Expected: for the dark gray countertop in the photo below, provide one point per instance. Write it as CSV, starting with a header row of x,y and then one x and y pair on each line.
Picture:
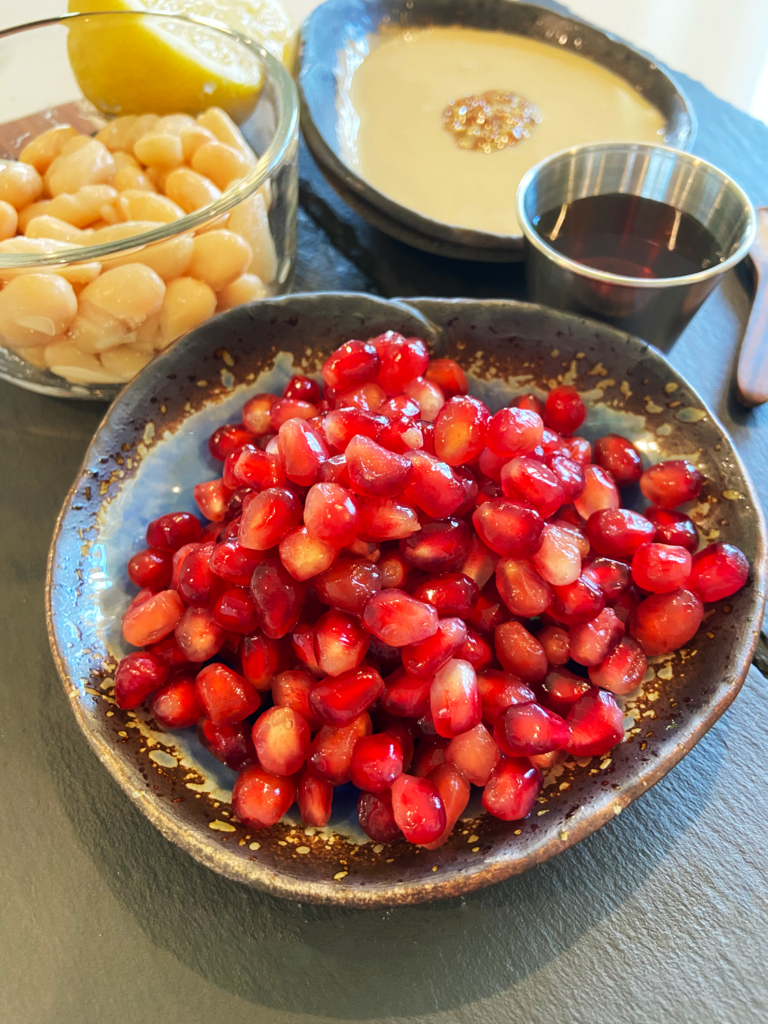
x,y
660,916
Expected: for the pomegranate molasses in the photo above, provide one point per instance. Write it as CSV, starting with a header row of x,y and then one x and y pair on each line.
x,y
629,235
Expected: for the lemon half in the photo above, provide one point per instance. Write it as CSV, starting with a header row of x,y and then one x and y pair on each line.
x,y
138,66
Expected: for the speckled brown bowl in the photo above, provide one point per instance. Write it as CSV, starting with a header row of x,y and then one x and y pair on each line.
x,y
151,448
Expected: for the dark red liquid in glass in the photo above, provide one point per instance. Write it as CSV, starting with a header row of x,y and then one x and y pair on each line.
x,y
629,235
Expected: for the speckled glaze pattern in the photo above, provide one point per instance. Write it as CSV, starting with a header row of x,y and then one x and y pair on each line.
x,y
332,25
156,431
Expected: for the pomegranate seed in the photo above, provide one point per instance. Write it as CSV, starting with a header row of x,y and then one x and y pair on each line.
x,y
303,388
525,730
558,560
374,471
212,498
460,430
399,619
377,819
514,432
234,611
303,555
661,567
511,791
330,755
475,752
278,597
340,643
489,611
169,651
173,531
561,689
291,689
225,696
480,563
196,577
491,465
454,791
428,396
348,584
434,486
626,603
337,700
267,517
175,705
454,698
256,414
302,451
260,659
620,458
599,492
577,602
384,519
331,515
718,571
671,483
452,593
554,643
227,439
334,471
138,675
368,397
610,576
618,532
500,690
342,425
664,622
521,588
429,754
418,809
508,528
596,724
402,360
449,376
351,365
153,618
673,528
251,467
406,695
286,409
530,402
281,740
623,670
422,660
230,744
577,448
395,571
519,652
564,410
377,760
151,568
234,563
570,475
527,480
546,761
259,798
439,546
315,799
591,642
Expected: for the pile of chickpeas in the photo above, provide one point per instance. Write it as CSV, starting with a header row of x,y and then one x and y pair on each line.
x,y
100,322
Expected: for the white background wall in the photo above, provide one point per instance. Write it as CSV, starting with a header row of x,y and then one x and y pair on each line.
x,y
722,43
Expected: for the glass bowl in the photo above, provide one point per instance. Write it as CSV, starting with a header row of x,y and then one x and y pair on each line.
x,y
120,323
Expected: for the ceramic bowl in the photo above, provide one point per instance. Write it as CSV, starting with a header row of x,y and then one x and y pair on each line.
x,y
336,24
152,447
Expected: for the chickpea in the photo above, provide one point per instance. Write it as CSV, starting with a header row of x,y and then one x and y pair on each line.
x,y
245,288
74,143
30,212
35,308
46,226
83,207
123,133
9,220
44,148
219,257
159,175
131,292
129,174
148,335
221,163
249,219
159,149
188,303
20,184
125,361
91,164
95,330
35,354
175,124
77,367
193,138
77,273
135,204
169,259
189,189
224,128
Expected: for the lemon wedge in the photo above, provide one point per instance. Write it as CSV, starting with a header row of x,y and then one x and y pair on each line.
x,y
167,67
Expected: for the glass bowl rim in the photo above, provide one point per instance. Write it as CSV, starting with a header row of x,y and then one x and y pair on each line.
x,y
273,158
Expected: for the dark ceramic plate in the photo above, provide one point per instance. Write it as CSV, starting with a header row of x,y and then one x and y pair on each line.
x,y
331,28
150,450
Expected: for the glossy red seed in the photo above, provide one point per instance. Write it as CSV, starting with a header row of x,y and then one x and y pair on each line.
x,y
599,492
281,740
558,559
291,689
521,588
434,486
152,618
577,602
406,695
368,397
227,439
514,432
196,577
303,555
376,817
286,409
591,642
661,567
480,562
718,571
664,622
337,700
454,698
330,755
151,568
525,730
460,430
260,658
424,659
278,597
612,577
439,546
348,584
315,799
527,480
509,528
175,705
402,361
377,760
475,752
342,425
519,652
383,519
500,690
452,593
138,675
251,467
352,364
418,809
669,484
512,789
618,532
488,611
259,798
428,395
230,744
596,724
577,448
554,643
449,376
564,410
623,670
303,388
234,611
673,528
169,651
212,498
302,451
561,689
401,434
225,696
234,563
330,514
340,642
491,466
267,517
569,474
395,571
430,752
374,471
399,619
453,787
256,414
529,401
173,531
620,457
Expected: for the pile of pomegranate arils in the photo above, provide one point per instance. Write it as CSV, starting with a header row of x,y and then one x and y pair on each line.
x,y
398,589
